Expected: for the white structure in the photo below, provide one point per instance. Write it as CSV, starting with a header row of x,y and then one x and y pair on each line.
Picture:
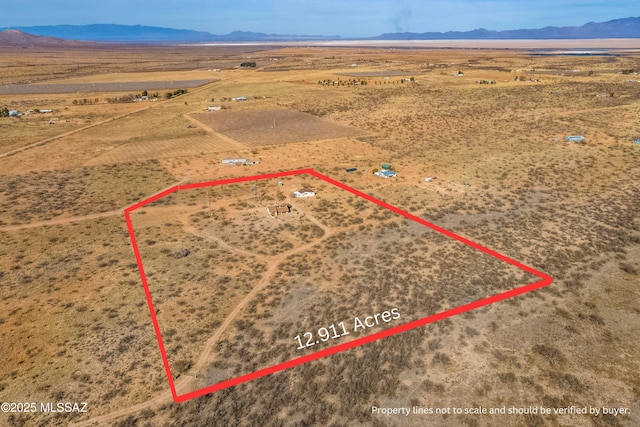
x,y
304,193
214,108
574,138
385,174
14,113
233,162
240,98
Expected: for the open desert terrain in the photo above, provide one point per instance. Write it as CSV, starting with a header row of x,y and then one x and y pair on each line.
x,y
241,273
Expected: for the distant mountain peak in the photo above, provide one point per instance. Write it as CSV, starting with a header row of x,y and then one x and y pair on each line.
x,y
18,38
616,28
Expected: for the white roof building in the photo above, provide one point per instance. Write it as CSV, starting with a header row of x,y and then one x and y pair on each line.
x,y
574,138
304,193
385,174
233,161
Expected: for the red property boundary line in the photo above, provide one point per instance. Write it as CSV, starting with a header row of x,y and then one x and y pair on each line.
x,y
545,280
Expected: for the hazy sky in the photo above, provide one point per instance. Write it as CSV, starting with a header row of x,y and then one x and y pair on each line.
x,y
325,17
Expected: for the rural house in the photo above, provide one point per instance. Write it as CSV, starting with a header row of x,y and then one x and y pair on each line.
x,y
274,211
385,173
234,162
304,193
574,138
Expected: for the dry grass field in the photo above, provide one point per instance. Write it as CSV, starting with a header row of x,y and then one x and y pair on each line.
x,y
22,89
255,128
233,286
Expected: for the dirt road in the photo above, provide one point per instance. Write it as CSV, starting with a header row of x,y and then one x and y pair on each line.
x,y
62,135
183,383
79,218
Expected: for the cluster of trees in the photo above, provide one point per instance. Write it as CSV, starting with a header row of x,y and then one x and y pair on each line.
x,y
4,112
175,93
248,64
121,99
147,94
384,82
629,71
131,97
85,101
339,82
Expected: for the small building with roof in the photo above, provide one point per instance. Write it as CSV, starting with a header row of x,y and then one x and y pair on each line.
x,y
277,210
304,193
386,174
234,162
574,138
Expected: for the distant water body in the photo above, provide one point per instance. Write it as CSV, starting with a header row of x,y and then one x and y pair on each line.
x,y
585,45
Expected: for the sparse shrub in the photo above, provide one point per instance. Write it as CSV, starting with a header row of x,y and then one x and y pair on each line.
x,y
507,377
628,268
564,380
551,354
181,366
130,421
440,359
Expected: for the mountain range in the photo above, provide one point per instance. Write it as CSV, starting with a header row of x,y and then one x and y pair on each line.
x,y
114,33
17,38
617,28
